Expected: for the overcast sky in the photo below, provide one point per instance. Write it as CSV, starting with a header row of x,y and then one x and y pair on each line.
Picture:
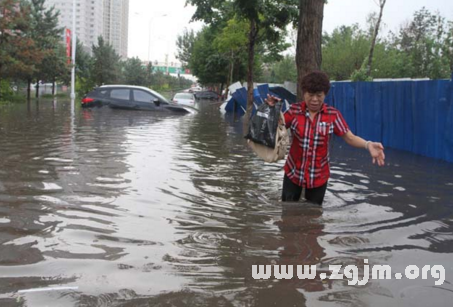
x,y
155,24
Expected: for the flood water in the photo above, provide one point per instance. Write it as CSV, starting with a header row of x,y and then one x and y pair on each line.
x,y
127,208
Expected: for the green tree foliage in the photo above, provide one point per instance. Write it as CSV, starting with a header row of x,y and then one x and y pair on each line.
x,y
83,69
231,42
106,63
184,44
149,74
267,20
134,72
425,40
344,51
18,51
423,48
164,82
47,36
233,37
374,38
280,71
447,50
206,62
55,66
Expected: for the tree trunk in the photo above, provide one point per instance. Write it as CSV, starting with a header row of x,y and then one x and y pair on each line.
x,y
309,36
0,80
28,89
375,34
53,87
229,78
227,85
251,59
221,90
37,89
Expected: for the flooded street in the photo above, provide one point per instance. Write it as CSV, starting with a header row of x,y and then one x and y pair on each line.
x,y
107,207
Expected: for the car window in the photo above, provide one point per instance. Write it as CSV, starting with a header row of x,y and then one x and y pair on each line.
x,y
123,94
184,96
102,93
143,96
159,96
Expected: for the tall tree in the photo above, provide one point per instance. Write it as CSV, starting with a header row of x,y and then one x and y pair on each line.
x,y
281,71
231,43
184,44
149,74
309,38
344,51
375,34
47,35
206,62
55,67
18,51
265,17
425,41
84,69
447,49
134,73
105,63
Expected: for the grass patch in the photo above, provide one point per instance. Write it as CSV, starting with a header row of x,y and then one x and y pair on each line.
x,y
7,99
60,95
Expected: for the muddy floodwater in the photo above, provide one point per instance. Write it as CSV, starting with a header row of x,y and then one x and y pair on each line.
x,y
128,208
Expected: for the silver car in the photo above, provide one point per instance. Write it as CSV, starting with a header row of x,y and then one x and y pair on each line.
x,y
186,99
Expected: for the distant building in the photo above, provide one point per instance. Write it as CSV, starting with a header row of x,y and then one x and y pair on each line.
x,y
107,18
116,25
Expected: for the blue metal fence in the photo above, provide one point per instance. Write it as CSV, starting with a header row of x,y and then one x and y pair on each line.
x,y
415,116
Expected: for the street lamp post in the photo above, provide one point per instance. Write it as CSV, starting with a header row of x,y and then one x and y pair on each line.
x,y
149,36
74,42
150,22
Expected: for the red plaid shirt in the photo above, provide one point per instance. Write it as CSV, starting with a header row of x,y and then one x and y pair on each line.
x,y
307,164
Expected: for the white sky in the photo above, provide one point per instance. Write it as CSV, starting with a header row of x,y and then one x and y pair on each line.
x,y
149,28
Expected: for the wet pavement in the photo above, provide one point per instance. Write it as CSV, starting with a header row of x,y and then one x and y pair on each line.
x,y
128,208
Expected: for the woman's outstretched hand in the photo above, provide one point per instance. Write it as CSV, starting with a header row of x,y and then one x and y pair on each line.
x,y
271,100
377,153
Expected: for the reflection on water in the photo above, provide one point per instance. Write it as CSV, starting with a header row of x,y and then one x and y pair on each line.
x,y
142,209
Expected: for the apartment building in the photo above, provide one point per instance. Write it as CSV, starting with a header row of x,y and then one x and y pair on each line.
x,y
94,18
116,20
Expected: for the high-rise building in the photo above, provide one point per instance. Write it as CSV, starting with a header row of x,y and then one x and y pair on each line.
x,y
116,20
94,18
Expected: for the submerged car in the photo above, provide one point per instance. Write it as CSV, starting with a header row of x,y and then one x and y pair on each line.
x,y
207,95
187,99
131,98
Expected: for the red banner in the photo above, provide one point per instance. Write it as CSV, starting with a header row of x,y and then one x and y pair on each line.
x,y
68,45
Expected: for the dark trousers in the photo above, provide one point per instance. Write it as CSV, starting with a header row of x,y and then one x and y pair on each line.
x,y
292,192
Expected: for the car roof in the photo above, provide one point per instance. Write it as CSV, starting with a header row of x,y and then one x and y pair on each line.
x,y
124,86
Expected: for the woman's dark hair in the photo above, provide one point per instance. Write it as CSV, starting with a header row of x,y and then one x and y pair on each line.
x,y
316,81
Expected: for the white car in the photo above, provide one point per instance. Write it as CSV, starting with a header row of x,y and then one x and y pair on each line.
x,y
186,99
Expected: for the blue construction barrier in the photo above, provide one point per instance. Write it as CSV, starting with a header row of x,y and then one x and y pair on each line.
x,y
415,116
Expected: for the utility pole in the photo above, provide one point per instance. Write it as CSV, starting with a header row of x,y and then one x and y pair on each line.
x,y
74,42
